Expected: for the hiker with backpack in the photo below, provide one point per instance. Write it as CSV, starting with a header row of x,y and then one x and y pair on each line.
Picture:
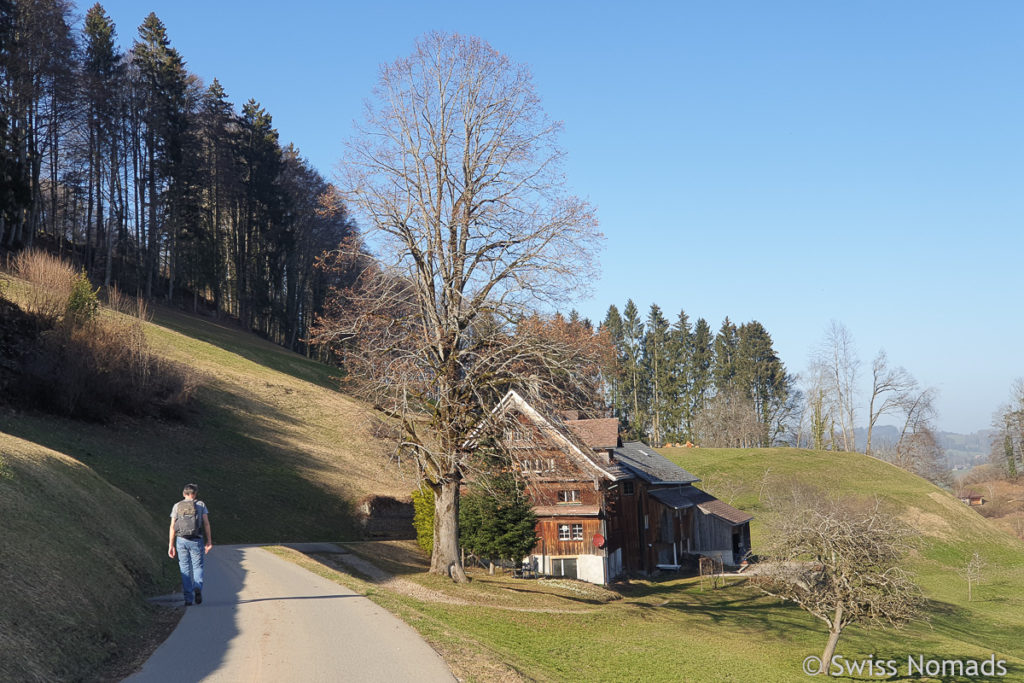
x,y
190,524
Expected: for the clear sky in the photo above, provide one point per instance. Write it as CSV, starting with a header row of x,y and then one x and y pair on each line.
x,y
789,162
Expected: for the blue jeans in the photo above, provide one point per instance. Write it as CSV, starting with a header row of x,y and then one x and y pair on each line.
x,y
190,561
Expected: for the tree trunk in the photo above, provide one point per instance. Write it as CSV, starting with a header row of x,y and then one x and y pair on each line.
x,y
446,559
833,638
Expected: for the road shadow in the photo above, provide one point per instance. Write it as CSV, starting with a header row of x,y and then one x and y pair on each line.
x,y
198,646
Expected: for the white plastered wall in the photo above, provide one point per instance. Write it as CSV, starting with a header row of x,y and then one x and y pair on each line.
x,y
590,568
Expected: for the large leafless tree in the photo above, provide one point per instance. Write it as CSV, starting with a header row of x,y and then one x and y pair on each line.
x,y
456,172
841,562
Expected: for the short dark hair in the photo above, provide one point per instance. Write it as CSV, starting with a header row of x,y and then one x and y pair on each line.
x,y
190,488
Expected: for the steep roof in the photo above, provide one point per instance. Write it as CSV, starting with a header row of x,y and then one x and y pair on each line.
x,y
689,496
559,435
647,464
599,433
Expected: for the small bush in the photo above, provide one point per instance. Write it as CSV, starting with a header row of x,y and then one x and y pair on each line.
x,y
82,304
423,518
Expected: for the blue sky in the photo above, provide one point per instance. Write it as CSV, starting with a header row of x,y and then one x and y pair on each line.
x,y
790,162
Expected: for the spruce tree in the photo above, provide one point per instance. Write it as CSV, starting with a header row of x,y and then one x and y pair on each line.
x,y
700,373
498,522
102,87
726,344
633,370
762,377
163,76
657,373
681,376
614,374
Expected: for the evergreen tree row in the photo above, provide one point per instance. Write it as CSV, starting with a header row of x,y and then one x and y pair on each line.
x,y
680,382
126,163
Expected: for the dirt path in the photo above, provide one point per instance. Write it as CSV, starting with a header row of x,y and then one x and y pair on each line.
x,y
266,619
412,589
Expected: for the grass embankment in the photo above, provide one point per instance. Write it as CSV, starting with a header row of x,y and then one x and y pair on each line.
x,y
278,453
673,629
76,558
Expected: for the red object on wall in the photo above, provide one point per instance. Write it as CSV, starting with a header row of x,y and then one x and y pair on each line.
x,y
598,541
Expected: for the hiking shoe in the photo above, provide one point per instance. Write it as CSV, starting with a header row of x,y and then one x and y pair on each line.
x,y
199,596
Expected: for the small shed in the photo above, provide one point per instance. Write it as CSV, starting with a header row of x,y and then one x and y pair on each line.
x,y
972,499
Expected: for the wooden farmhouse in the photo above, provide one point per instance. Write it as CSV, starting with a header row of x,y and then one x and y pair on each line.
x,y
605,508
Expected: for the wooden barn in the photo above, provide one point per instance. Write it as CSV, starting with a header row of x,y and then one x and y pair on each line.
x,y
605,507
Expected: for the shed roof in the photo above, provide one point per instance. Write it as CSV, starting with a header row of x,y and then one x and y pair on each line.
x,y
598,433
688,496
647,464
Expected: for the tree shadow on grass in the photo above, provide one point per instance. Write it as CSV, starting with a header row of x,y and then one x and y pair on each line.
x,y
258,485
569,598
233,339
963,625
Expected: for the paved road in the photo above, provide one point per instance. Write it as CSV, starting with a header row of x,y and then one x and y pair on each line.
x,y
264,619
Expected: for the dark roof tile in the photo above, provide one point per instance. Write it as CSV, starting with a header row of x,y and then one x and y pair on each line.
x,y
647,464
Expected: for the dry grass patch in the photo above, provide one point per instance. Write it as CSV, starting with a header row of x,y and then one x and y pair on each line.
x,y
927,523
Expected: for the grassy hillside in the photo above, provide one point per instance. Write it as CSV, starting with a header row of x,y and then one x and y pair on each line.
x,y
950,531
76,556
671,628
277,452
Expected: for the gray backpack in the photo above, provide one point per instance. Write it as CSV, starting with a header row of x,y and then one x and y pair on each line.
x,y
188,519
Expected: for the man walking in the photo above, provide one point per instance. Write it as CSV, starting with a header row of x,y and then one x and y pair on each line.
x,y
190,524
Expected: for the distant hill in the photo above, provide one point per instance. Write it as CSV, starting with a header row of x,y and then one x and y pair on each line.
x,y
962,450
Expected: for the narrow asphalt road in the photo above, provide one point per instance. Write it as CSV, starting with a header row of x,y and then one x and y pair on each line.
x,y
264,619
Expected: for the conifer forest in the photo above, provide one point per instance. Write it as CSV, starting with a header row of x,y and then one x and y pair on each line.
x,y
122,161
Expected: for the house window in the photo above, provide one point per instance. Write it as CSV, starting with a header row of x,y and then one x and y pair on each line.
x,y
570,496
647,524
570,532
627,488
577,532
537,465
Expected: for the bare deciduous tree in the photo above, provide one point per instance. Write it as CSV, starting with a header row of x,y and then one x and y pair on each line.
x,y
1008,445
918,450
841,563
456,172
728,421
836,362
889,388
972,572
